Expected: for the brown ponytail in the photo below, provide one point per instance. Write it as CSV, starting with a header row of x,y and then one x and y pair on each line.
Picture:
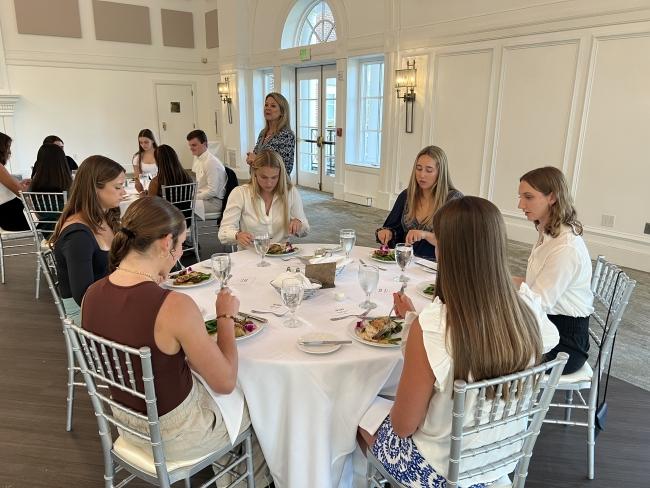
x,y
145,221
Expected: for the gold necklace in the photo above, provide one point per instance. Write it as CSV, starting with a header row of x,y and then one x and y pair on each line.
x,y
147,275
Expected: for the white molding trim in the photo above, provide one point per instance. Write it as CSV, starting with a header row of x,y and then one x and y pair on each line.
x,y
8,105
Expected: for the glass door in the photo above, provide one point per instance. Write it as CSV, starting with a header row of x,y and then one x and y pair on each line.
x,y
316,123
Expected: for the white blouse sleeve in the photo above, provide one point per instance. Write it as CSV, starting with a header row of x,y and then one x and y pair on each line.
x,y
232,215
547,329
297,212
433,324
554,278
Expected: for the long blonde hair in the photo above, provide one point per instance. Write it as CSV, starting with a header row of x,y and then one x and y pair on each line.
x,y
490,330
549,180
439,191
268,158
285,116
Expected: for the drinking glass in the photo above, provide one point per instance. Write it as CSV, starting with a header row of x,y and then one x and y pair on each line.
x,y
262,243
292,292
347,239
368,279
221,266
403,255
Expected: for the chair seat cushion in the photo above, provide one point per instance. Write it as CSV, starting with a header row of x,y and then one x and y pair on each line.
x,y
143,460
503,482
212,215
16,234
585,373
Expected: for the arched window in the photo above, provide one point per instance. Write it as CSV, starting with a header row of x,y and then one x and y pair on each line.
x,y
317,26
309,22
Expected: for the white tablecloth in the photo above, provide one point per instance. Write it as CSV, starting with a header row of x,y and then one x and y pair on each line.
x,y
306,408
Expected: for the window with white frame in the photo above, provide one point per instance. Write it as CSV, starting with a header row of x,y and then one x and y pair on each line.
x,y
317,26
371,104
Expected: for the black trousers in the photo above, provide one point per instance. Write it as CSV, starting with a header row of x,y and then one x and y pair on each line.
x,y
574,340
11,215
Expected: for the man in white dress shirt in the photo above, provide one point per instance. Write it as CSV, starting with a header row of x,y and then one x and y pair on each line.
x,y
210,172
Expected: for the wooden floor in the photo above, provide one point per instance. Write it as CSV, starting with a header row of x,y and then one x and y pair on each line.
x,y
36,451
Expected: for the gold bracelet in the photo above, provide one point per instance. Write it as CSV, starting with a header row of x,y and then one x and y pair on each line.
x,y
226,317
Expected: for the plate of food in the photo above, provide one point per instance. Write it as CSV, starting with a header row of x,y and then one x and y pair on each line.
x,y
426,289
277,250
188,278
245,327
384,254
377,331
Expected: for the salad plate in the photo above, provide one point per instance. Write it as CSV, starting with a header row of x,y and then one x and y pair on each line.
x,y
377,331
245,327
426,289
189,279
281,250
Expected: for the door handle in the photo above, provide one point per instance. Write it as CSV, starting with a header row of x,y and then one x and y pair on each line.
x,y
319,141
164,125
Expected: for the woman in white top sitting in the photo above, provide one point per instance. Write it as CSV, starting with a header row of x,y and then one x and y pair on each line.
x,y
144,161
268,204
477,327
559,267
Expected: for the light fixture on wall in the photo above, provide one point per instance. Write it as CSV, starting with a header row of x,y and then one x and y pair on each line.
x,y
405,79
224,92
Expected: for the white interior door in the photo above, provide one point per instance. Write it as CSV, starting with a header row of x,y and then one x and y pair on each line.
x,y
176,117
316,124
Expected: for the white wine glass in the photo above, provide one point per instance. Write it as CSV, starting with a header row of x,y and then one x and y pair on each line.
x,y
262,242
292,291
403,255
221,267
347,239
368,279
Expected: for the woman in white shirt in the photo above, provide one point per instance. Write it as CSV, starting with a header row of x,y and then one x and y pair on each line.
x,y
11,207
559,267
144,161
477,327
268,204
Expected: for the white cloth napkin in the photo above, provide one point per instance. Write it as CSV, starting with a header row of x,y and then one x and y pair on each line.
x,y
375,415
231,406
340,261
306,284
426,263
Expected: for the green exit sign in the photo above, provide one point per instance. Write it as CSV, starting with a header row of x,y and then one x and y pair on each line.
x,y
305,53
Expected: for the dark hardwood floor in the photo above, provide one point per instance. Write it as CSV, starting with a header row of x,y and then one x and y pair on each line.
x,y
36,451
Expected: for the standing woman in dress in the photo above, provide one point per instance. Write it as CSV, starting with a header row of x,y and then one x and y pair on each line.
x,y
84,233
277,134
559,267
11,207
144,161
411,219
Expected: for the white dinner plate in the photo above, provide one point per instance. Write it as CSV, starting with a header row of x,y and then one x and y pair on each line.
x,y
170,283
420,287
296,250
318,336
260,326
372,256
352,332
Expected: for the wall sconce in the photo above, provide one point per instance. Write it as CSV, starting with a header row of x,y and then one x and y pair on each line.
x,y
224,93
405,79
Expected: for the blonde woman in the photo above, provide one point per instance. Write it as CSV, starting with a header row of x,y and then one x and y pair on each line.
x,y
277,134
411,218
477,327
268,204
559,267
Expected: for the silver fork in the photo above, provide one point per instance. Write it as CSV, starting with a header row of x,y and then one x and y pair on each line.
x,y
378,267
359,316
277,314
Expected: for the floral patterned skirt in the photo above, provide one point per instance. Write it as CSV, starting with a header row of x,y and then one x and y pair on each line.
x,y
402,460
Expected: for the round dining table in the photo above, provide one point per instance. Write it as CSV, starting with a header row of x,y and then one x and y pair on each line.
x,y
305,407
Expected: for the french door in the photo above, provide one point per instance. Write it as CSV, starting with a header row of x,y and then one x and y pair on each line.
x,y
316,123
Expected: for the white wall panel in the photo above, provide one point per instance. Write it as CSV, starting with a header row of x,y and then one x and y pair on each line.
x,y
462,96
535,107
615,161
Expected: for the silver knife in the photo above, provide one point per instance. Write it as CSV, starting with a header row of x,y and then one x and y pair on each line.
x,y
323,343
253,317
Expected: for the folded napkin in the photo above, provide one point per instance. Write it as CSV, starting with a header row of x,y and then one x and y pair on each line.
x,y
427,264
375,415
231,407
306,284
340,261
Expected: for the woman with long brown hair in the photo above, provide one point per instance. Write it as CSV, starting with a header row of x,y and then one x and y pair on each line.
x,y
477,327
559,267
268,204
85,230
411,218
11,207
144,161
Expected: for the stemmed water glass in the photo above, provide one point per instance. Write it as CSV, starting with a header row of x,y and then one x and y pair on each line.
x,y
221,266
292,292
347,239
144,181
403,255
262,242
368,279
